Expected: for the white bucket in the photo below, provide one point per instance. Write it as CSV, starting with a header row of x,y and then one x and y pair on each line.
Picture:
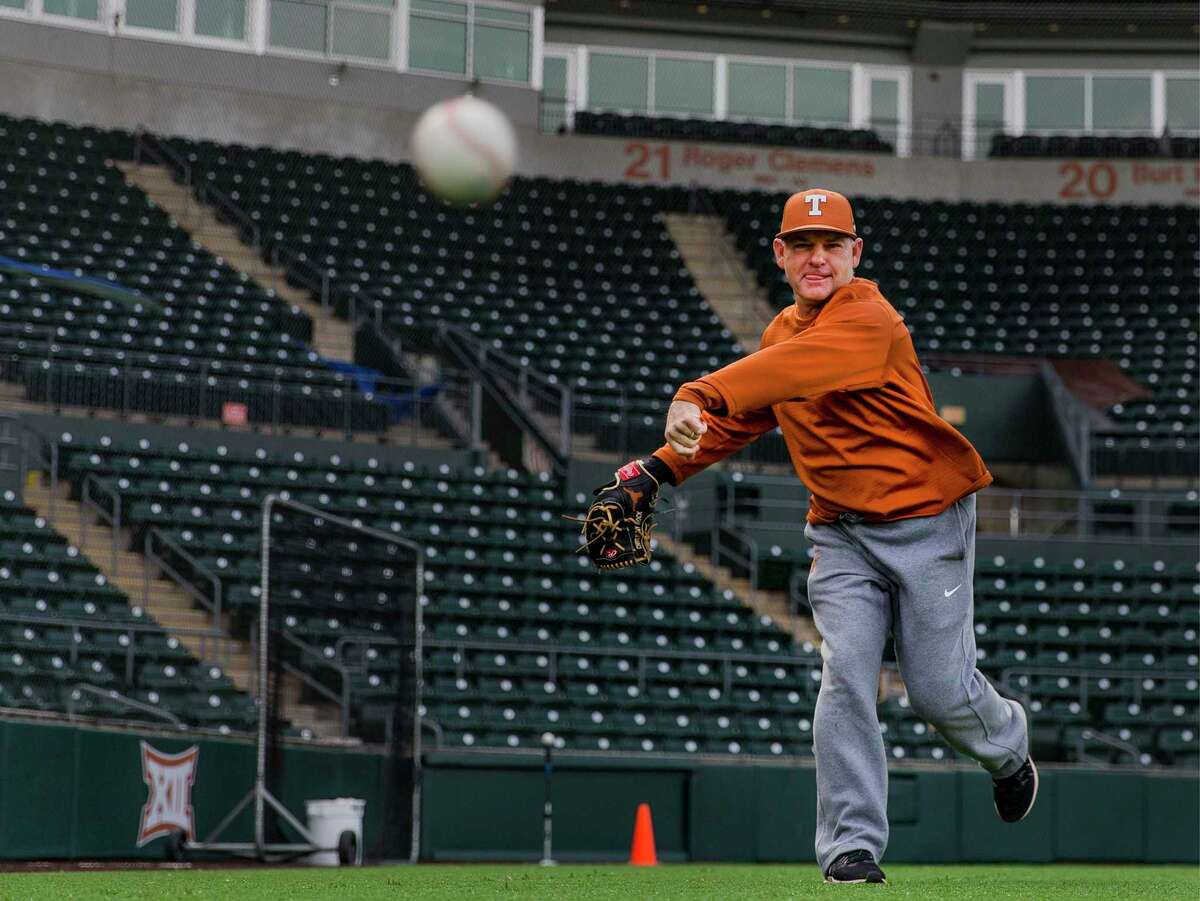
x,y
327,820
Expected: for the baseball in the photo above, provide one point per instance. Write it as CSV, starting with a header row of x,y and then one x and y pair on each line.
x,y
464,150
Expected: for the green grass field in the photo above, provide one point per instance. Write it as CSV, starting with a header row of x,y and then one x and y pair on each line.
x,y
691,881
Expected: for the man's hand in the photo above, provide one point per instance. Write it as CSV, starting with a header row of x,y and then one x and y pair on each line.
x,y
685,425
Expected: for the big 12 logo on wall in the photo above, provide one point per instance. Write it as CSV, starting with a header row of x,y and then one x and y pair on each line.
x,y
169,779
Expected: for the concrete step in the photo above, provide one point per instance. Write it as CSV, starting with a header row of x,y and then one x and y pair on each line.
x,y
335,337
159,177
692,234
171,607
721,275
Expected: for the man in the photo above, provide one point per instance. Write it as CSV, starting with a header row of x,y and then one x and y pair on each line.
x,y
891,520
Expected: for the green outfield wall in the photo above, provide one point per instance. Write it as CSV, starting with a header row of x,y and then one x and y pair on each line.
x,y
70,792
489,806
74,792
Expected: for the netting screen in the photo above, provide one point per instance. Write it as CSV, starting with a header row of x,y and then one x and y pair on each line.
x,y
343,649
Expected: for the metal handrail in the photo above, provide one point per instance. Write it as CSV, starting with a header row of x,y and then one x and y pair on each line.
x,y
1100,494
208,193
1086,673
146,143
213,604
315,279
725,659
111,694
524,380
318,282
336,402
113,518
1104,739
143,360
1075,510
342,699
439,737
724,533
470,356
10,423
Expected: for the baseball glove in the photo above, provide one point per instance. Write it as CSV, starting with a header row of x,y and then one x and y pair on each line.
x,y
618,525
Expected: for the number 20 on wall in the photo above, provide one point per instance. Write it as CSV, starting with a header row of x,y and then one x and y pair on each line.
x,y
1091,181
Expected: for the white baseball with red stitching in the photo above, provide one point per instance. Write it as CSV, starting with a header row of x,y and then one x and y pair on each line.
x,y
464,149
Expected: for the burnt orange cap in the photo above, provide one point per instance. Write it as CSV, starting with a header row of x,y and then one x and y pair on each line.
x,y
817,209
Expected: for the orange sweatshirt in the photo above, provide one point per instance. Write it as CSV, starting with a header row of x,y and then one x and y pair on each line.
x,y
845,388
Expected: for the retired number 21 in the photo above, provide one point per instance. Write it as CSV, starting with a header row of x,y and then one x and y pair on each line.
x,y
641,166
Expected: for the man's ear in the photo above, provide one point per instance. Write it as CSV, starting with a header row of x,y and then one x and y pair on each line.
x,y
779,247
856,251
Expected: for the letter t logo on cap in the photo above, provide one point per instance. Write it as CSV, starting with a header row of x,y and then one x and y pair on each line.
x,y
814,203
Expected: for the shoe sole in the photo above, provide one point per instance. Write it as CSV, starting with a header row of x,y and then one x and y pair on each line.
x,y
829,880
1032,801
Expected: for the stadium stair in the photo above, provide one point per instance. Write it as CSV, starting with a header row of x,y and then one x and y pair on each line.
x,y
607,303
167,603
721,275
333,338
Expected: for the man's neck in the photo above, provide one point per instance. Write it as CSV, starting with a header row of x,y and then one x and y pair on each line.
x,y
809,308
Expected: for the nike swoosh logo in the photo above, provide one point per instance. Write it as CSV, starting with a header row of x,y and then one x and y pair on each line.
x,y
952,590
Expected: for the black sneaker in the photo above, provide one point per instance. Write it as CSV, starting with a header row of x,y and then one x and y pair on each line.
x,y
1015,794
854,867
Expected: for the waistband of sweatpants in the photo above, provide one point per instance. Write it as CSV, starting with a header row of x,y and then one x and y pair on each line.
x,y
855,518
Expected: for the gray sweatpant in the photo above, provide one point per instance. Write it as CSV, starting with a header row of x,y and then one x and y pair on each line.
x,y
910,578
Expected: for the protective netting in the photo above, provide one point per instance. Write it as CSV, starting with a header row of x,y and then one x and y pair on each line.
x,y
343,638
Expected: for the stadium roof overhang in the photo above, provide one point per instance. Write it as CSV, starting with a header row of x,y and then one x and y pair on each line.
x,y
1167,25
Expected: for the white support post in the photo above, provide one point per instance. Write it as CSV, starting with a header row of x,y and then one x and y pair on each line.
x,y
1018,103
1158,103
259,17
1087,103
721,86
860,97
400,36
904,120
537,46
186,22
650,85
581,78
109,11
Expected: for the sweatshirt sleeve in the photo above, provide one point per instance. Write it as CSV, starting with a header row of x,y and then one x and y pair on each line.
x,y
726,435
847,350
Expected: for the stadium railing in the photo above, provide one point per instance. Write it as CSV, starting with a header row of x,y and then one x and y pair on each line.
x,y
1039,514
727,661
726,515
1088,734
167,557
538,405
362,402
554,416
111,694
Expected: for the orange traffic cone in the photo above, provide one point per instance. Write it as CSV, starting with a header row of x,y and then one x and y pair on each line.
x,y
642,854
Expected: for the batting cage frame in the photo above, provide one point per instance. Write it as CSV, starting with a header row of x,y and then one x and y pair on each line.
x,y
260,794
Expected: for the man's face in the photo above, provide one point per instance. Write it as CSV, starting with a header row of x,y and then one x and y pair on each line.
x,y
817,263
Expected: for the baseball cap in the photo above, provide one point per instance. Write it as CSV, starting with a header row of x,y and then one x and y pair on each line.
x,y
817,209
